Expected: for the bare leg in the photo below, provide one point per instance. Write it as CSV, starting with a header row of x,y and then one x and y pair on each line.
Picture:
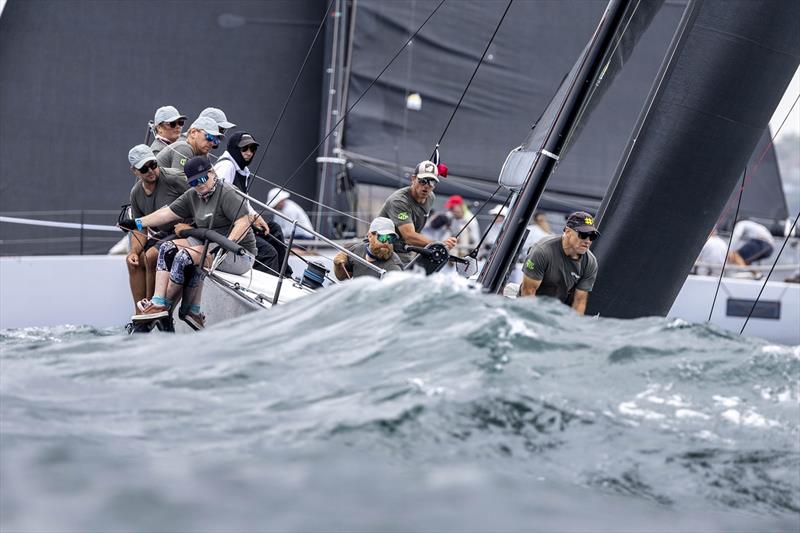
x,y
150,257
736,259
136,278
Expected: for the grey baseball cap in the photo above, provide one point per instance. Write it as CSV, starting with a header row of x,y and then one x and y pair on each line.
x,y
219,117
208,125
139,155
167,114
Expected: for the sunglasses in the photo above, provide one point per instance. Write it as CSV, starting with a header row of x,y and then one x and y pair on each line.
x,y
222,130
428,182
591,235
199,180
249,148
214,140
147,167
387,239
180,122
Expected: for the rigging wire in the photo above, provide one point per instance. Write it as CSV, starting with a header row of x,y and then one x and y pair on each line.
x,y
349,109
728,249
474,72
794,225
477,248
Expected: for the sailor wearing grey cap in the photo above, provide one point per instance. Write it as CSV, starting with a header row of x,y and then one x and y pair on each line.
x,y
408,208
377,248
279,199
219,117
562,266
203,135
167,126
153,189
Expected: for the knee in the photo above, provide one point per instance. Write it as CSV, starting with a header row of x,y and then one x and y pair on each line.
x,y
166,255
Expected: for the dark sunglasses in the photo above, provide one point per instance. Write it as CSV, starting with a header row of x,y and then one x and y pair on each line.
x,y
199,180
222,130
387,239
210,138
249,148
147,167
427,182
180,122
591,235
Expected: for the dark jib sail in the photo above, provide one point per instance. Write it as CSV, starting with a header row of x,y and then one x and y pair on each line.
x,y
729,68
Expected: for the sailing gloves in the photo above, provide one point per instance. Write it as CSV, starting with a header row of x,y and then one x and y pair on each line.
x,y
130,224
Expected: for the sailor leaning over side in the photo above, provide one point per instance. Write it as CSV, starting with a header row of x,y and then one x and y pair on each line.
x,y
377,249
154,189
408,209
213,205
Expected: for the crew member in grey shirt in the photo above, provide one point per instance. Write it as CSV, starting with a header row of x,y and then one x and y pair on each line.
x,y
203,135
167,126
562,266
154,189
377,249
408,209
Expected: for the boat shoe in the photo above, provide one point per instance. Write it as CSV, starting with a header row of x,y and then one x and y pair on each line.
x,y
196,321
149,311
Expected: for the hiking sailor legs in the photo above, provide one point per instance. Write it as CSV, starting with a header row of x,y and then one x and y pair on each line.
x,y
750,242
408,209
154,189
563,267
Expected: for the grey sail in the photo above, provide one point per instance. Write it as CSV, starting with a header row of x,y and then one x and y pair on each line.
x,y
731,64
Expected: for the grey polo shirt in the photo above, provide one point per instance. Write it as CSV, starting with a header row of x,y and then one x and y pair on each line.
x,y
401,208
170,186
226,207
175,155
560,274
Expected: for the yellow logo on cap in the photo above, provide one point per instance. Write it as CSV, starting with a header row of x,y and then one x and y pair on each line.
x,y
588,221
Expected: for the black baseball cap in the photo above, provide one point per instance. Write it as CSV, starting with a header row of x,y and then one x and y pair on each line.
x,y
581,221
195,166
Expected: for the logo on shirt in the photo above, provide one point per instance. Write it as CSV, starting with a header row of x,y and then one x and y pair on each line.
x,y
402,216
183,161
529,264
574,275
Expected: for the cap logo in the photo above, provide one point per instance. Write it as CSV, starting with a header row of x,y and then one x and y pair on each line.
x,y
402,216
588,221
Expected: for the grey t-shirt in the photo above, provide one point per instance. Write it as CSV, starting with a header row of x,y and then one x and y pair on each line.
x,y
360,249
170,185
175,155
401,208
157,146
560,275
229,208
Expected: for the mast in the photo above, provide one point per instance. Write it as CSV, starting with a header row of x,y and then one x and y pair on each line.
x,y
511,235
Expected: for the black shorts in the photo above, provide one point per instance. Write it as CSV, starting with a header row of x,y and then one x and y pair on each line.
x,y
754,249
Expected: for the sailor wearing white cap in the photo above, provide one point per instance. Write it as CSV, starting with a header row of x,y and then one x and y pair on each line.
x,y
219,117
377,248
279,199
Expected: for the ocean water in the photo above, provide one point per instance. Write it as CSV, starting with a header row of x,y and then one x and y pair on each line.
x,y
411,404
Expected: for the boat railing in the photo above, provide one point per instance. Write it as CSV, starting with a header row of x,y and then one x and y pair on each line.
x,y
318,236
735,269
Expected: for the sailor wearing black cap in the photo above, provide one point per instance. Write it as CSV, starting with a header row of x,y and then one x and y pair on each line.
x,y
563,267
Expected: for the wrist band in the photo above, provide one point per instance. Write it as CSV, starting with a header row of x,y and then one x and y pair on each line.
x,y
138,224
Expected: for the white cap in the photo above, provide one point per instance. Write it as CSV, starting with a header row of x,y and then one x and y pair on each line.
x,y
382,226
503,210
208,125
276,196
139,155
167,114
427,169
218,115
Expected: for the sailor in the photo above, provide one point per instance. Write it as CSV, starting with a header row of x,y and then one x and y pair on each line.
x,y
279,199
562,266
750,242
232,168
461,217
153,190
712,255
167,126
203,135
218,116
212,204
498,214
377,248
408,209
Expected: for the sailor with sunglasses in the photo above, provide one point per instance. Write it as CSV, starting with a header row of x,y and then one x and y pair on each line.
x,y
562,266
154,189
203,135
377,248
408,209
167,126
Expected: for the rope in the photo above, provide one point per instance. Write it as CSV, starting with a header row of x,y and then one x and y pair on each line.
x,y
728,249
494,221
770,273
